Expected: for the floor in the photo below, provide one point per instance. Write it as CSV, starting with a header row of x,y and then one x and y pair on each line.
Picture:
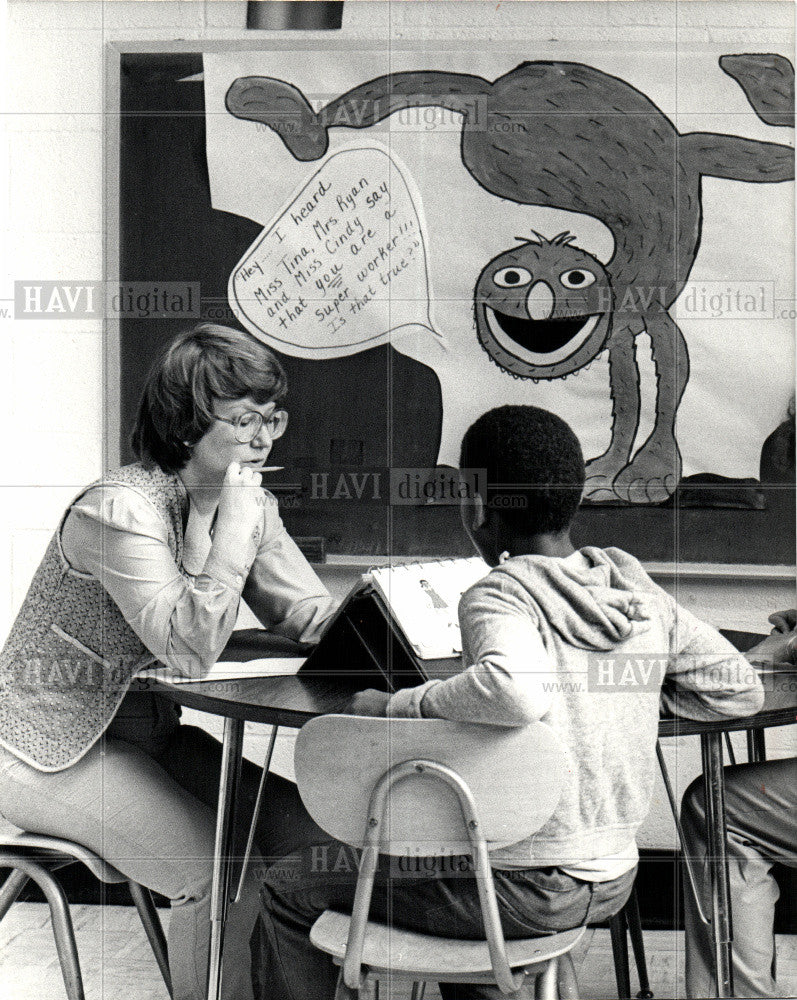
x,y
117,963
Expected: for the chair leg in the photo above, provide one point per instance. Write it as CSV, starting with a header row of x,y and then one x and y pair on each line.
x,y
545,988
568,982
418,990
62,923
142,897
11,889
634,921
620,953
344,992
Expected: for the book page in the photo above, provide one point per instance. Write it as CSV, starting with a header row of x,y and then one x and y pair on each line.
x,y
424,599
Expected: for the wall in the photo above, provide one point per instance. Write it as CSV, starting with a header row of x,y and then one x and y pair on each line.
x,y
51,373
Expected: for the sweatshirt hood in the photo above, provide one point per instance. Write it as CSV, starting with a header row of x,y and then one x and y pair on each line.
x,y
592,598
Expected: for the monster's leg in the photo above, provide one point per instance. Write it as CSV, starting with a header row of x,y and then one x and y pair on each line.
x,y
286,110
653,473
768,84
767,80
624,388
715,155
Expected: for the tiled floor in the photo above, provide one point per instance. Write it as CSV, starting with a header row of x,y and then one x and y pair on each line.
x,y
118,965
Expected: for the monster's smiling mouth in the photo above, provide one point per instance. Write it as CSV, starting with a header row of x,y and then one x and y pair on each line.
x,y
541,341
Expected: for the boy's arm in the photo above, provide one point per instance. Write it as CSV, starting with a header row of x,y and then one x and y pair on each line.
x,y
508,680
707,679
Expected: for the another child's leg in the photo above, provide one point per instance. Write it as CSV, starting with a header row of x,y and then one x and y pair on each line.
x,y
760,802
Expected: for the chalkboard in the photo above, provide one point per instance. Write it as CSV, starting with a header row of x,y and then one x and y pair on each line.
x,y
354,419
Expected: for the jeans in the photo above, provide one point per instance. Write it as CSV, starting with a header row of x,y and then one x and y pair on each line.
x,y
432,895
761,807
144,799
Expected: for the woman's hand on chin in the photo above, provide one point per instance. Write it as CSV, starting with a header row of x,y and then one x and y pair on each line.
x,y
241,504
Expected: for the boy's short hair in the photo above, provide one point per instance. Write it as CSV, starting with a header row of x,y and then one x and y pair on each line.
x,y
534,463
200,366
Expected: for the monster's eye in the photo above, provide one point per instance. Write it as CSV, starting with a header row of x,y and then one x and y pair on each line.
x,y
577,278
512,277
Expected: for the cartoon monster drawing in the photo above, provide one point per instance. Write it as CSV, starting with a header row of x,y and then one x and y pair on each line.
x,y
568,136
543,309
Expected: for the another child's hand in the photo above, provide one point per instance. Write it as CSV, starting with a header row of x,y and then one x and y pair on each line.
x,y
784,621
780,646
369,702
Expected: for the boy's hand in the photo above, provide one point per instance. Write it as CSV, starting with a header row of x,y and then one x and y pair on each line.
x,y
369,702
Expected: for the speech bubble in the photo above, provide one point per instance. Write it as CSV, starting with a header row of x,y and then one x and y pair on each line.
x,y
343,267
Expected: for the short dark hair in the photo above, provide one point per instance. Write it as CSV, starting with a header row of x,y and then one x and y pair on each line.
x,y
207,363
534,463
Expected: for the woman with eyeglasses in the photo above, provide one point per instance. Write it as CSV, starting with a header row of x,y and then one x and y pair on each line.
x,y
149,565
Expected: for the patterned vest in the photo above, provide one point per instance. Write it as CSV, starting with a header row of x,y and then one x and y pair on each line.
x,y
70,656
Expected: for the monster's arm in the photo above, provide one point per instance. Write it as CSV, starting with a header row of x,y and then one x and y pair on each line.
x,y
285,109
768,83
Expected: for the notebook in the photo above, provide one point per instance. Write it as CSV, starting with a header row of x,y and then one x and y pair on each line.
x,y
398,626
423,598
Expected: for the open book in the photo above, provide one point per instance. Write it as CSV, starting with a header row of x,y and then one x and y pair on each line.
x,y
423,598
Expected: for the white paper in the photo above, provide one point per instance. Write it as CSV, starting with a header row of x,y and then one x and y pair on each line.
x,y
742,369
424,599
231,670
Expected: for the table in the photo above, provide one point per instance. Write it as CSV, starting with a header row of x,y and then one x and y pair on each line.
x,y
780,709
293,701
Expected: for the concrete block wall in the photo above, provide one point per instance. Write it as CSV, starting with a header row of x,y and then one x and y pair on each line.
x,y
51,391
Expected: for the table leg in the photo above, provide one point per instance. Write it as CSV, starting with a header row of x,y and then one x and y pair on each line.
x,y
686,859
716,839
756,746
250,840
232,750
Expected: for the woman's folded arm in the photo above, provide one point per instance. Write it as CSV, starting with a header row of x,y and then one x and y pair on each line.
x,y
115,535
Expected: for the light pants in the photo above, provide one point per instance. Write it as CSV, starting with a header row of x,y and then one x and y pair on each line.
x,y
146,804
761,806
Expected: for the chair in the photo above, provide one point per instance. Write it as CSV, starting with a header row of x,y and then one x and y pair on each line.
x,y
628,921
421,787
35,857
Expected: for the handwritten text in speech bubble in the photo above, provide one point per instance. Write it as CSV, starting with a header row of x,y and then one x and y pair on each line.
x,y
343,267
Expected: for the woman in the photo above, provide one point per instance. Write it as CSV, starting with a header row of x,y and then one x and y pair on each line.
x,y
150,564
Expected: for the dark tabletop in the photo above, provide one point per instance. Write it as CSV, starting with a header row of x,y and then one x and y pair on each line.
x,y
292,701
284,701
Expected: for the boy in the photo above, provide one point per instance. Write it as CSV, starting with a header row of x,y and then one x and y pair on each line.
x,y
541,634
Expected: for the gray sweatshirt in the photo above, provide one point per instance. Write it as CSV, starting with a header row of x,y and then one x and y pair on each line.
x,y
590,645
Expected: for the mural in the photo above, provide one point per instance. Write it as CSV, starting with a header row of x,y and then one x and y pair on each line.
x,y
554,135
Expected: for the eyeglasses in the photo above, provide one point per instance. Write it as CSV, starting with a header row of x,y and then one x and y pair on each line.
x,y
248,425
